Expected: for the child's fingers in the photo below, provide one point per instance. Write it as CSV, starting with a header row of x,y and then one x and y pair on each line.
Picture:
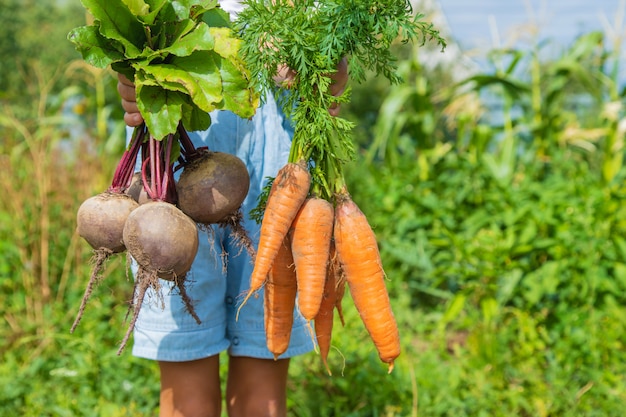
x,y
126,89
133,119
334,109
340,78
340,81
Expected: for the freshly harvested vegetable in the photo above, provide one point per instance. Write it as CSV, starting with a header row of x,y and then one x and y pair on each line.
x,y
212,187
280,300
163,241
311,38
159,236
183,58
136,190
288,192
363,270
311,238
324,317
101,218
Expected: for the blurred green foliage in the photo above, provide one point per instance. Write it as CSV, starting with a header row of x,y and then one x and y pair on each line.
x,y
497,200
33,30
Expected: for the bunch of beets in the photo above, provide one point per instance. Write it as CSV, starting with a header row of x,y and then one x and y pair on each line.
x,y
155,219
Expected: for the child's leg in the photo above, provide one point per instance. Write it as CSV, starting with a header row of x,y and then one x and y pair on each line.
x,y
191,389
257,387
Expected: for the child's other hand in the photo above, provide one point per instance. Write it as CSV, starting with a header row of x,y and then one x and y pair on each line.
x,y
340,81
126,89
285,76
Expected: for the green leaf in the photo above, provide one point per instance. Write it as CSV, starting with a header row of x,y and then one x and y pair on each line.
x,y
152,76
455,307
95,48
137,7
200,38
196,73
124,67
155,9
513,87
199,8
161,109
185,9
192,4
167,34
226,44
217,17
238,96
194,118
118,23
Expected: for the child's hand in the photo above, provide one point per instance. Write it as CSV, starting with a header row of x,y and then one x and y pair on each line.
x,y
340,80
126,89
286,75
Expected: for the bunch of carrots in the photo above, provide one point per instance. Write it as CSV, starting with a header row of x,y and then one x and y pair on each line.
x,y
314,238
308,250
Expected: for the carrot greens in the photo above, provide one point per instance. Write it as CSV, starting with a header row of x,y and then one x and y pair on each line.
x,y
311,37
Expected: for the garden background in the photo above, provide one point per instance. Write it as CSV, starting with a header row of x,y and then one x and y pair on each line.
x,y
497,196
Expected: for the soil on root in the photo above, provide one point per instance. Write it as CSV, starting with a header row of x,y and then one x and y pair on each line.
x,y
241,238
145,280
99,258
238,232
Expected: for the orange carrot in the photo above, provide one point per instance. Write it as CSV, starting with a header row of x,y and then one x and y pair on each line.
x,y
324,317
280,300
288,192
358,253
312,232
339,280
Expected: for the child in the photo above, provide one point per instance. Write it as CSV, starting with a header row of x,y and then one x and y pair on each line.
x,y
188,353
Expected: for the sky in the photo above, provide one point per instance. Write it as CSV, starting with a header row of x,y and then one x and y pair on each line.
x,y
479,23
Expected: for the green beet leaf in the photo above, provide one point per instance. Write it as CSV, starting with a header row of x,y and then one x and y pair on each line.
x,y
235,93
200,38
118,23
217,18
161,109
137,7
182,54
176,10
196,73
155,7
95,48
226,45
199,8
194,118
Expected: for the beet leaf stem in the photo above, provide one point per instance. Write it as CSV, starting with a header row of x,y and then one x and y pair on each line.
x,y
126,167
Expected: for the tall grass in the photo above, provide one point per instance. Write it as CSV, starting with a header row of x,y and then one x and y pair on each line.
x,y
531,100
51,161
46,173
